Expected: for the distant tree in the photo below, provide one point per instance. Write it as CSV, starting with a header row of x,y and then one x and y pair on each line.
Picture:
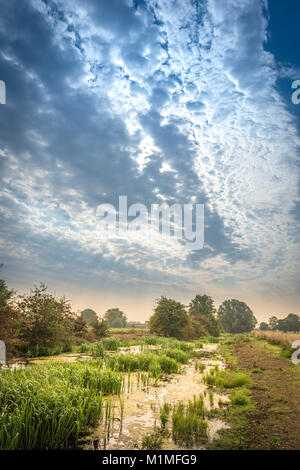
x,y
115,318
79,327
290,323
236,317
45,321
88,315
202,305
263,326
273,323
169,318
100,327
202,312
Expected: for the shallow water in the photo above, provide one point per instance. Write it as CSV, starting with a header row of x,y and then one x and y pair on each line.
x,y
142,407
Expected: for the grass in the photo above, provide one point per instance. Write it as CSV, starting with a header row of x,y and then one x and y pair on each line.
x,y
188,425
278,338
147,361
49,406
226,379
240,398
153,441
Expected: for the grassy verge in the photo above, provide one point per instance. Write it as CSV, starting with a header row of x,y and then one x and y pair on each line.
x,y
265,412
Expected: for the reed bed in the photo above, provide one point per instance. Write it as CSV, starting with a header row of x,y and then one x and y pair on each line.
x,y
50,406
147,361
188,425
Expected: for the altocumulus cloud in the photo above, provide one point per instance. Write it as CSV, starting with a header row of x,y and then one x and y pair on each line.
x,y
160,100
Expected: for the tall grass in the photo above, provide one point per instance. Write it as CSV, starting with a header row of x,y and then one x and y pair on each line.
x,y
49,406
147,361
188,425
226,379
282,339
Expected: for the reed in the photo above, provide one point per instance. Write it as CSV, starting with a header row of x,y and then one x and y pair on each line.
x,y
188,425
49,406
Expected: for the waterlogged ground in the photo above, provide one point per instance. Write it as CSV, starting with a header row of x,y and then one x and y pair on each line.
x,y
137,411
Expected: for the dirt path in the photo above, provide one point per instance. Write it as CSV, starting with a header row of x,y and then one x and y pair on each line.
x,y
275,422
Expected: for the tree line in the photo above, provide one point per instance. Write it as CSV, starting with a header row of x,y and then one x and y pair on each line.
x,y
291,323
40,323
200,318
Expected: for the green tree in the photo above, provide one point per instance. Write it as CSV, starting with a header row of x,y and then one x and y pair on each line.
x,y
88,315
45,322
202,305
115,318
100,327
273,323
290,323
79,327
264,326
236,317
169,318
202,311
8,316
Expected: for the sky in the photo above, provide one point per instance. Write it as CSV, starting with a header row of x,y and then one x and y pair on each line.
x,y
174,101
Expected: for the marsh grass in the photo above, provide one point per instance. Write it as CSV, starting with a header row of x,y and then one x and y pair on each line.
x,y
188,425
147,361
240,398
226,379
49,406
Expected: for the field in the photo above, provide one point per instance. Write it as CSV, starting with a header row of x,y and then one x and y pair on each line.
x,y
148,392
276,337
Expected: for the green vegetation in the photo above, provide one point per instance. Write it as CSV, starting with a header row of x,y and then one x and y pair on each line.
x,y
129,362
88,315
45,323
226,379
169,318
203,315
115,318
188,425
49,406
236,317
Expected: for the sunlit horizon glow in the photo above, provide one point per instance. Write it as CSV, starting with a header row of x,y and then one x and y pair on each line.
x,y
162,101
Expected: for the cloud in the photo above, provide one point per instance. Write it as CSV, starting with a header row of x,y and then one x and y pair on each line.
x,y
163,100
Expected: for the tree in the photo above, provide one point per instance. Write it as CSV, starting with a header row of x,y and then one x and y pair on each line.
x,y
115,318
264,326
79,327
273,323
169,318
202,312
88,315
45,321
100,327
202,305
236,317
290,323
8,316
